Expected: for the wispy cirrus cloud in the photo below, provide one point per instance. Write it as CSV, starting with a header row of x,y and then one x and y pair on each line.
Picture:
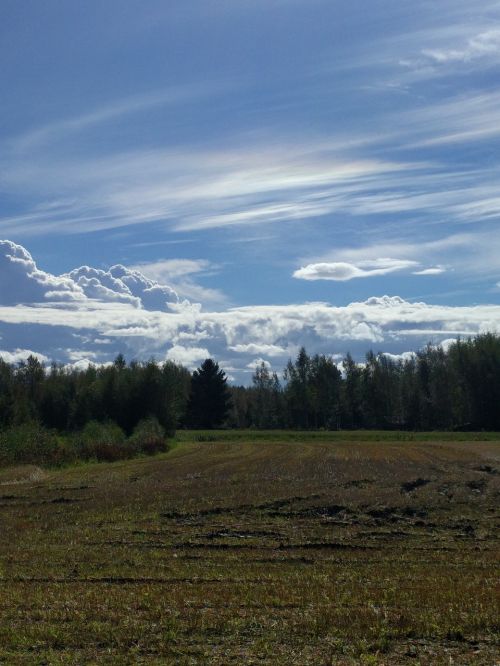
x,y
183,276
485,44
434,270
462,118
194,190
114,110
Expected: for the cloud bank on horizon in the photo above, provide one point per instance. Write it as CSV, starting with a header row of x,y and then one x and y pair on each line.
x,y
188,192
90,315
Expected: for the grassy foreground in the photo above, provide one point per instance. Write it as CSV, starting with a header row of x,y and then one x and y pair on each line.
x,y
266,548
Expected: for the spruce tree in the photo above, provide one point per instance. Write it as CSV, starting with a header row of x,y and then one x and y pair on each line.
x,y
210,398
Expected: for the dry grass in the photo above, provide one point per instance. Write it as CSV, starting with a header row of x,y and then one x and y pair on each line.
x,y
256,552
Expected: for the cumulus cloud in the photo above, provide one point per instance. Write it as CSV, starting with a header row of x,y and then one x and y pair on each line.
x,y
22,282
188,356
404,356
83,364
256,348
124,285
342,271
447,343
19,355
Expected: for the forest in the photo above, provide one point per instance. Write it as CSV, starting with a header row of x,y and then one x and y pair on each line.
x,y
57,414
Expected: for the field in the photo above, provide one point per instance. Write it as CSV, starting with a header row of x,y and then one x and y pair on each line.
x,y
257,548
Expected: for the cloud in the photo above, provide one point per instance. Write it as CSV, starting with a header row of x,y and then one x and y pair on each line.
x,y
404,356
200,190
21,355
22,282
257,363
60,129
435,270
484,44
342,271
123,284
265,350
178,273
188,189
460,119
446,344
468,253
83,364
168,269
187,356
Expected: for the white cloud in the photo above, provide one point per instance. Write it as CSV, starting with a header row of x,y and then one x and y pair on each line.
x,y
257,363
471,253
200,190
265,350
404,356
22,282
343,271
165,270
21,355
436,270
459,119
179,274
446,344
83,364
191,190
484,44
188,356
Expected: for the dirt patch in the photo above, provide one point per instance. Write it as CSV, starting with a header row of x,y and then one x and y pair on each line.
x,y
410,486
240,509
477,485
359,483
65,500
284,560
324,545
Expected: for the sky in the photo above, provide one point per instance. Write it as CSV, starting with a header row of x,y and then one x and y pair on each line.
x,y
237,178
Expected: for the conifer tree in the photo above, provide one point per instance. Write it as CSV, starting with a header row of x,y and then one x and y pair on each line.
x,y
210,398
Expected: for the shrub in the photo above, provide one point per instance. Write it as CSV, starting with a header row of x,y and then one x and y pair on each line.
x,y
102,441
32,444
148,437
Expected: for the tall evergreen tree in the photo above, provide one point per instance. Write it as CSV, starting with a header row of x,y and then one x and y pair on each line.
x,y
210,398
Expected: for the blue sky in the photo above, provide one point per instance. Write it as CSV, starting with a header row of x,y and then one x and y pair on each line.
x,y
257,157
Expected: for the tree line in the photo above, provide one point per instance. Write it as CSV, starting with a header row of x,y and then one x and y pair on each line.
x,y
457,388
